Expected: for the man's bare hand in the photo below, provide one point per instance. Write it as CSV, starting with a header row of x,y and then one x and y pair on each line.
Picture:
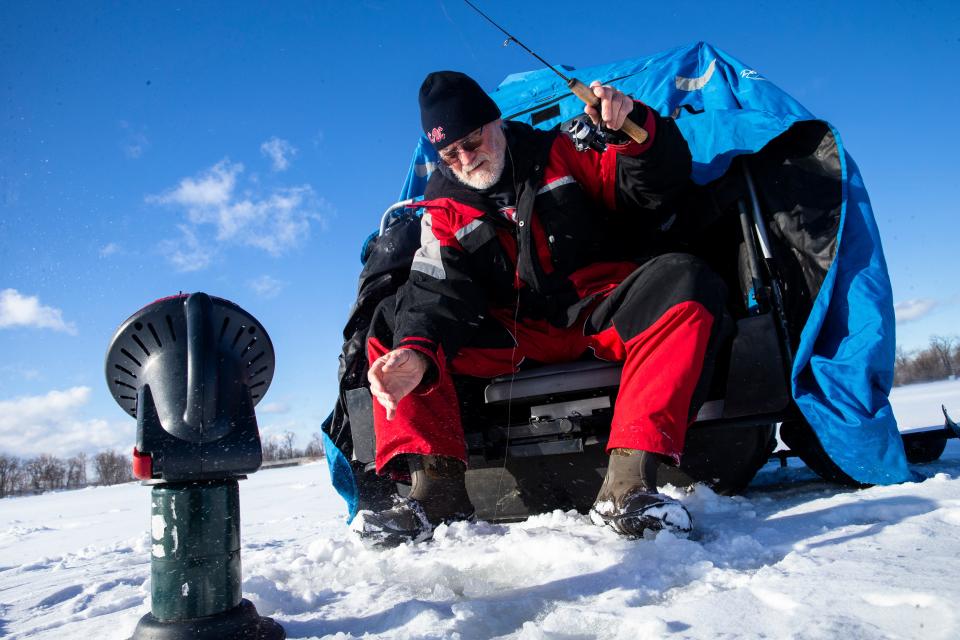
x,y
614,106
395,374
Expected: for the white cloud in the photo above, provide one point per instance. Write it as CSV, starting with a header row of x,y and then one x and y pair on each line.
x,y
213,188
135,143
267,287
31,425
187,253
16,372
109,249
135,149
910,310
279,151
273,407
18,310
275,222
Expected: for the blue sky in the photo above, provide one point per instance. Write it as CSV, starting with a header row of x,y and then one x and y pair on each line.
x,y
246,149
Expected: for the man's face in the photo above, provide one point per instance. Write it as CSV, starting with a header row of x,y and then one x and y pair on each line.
x,y
477,159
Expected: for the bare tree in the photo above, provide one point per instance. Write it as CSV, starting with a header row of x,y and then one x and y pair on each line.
x,y
287,448
10,474
77,471
54,472
941,359
927,366
45,473
943,347
33,474
112,468
271,450
314,447
901,367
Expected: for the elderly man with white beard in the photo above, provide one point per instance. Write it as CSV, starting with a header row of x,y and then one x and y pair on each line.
x,y
535,251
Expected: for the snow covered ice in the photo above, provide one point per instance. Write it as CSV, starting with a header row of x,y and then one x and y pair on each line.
x,y
793,557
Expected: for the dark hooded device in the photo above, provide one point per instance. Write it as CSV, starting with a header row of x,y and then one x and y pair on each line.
x,y
191,369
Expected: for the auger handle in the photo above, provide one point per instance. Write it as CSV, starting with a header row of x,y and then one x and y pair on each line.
x,y
585,93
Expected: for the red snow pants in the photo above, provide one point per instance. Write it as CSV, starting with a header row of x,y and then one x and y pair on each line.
x,y
665,322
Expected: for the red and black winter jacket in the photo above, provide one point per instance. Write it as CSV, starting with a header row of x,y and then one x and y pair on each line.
x,y
584,221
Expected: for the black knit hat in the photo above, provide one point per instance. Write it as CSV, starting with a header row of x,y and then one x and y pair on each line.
x,y
452,105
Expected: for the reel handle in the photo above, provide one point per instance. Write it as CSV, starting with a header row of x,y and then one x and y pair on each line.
x,y
637,133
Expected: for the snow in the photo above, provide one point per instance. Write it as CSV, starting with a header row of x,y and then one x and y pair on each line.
x,y
919,405
792,557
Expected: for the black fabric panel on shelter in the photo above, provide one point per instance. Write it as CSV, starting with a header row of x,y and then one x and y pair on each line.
x,y
799,188
802,192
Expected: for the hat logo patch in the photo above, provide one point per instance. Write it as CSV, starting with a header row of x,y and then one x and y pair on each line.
x,y
436,135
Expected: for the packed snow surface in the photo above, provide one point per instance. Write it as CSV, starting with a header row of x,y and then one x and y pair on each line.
x,y
792,557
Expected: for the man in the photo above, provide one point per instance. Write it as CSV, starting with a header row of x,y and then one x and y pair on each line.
x,y
531,249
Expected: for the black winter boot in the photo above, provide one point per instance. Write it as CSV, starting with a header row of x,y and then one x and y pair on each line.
x,y
628,501
374,492
438,494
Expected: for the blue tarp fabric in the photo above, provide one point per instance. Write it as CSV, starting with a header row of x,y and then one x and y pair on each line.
x,y
843,369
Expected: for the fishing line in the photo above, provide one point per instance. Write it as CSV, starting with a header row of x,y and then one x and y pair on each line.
x,y
582,91
515,336
512,38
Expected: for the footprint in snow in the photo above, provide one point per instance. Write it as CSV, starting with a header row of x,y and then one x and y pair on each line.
x,y
60,596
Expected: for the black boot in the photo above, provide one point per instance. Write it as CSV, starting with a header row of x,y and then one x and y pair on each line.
x,y
438,494
374,492
628,501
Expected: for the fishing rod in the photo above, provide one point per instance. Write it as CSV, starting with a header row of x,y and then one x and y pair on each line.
x,y
582,91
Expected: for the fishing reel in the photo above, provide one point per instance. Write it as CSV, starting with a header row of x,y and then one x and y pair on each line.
x,y
586,135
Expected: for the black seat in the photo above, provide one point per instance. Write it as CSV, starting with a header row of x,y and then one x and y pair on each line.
x,y
757,382
570,377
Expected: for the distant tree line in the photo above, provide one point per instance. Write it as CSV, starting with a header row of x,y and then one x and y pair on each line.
x,y
283,448
49,473
938,361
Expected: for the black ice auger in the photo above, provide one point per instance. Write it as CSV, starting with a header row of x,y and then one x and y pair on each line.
x,y
190,368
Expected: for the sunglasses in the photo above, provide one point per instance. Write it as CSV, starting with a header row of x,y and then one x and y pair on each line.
x,y
472,142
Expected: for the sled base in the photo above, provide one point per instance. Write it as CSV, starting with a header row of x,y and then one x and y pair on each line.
x,y
240,623
924,446
726,459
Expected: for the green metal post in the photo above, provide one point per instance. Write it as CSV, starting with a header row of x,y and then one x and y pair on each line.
x,y
195,560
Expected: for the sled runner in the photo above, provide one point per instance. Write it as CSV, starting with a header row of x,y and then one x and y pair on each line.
x,y
927,445
779,211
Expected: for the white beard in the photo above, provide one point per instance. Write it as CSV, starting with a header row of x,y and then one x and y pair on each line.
x,y
486,168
